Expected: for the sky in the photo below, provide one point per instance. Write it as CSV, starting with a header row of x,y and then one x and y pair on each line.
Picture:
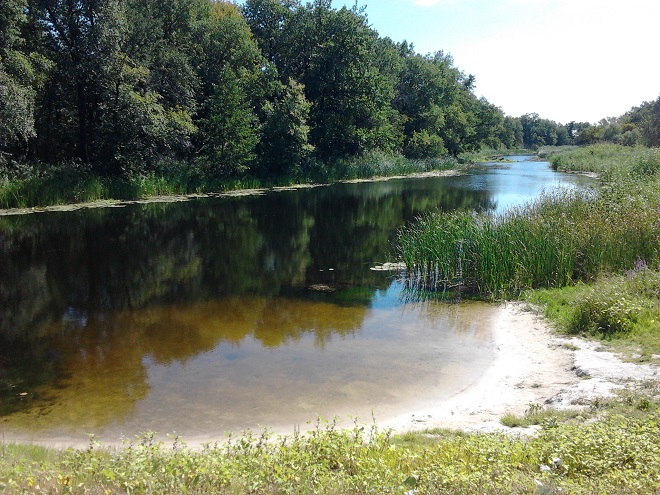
x,y
566,60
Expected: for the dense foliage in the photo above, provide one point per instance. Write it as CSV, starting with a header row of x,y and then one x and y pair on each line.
x,y
128,87
640,125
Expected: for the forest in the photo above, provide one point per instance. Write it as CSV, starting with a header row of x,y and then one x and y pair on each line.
x,y
270,88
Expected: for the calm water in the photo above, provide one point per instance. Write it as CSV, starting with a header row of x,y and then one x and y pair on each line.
x,y
218,314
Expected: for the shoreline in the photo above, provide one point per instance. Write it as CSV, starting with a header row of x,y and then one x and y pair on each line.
x,y
177,198
532,365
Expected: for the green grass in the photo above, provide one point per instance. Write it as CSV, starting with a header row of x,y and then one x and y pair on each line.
x,y
638,400
611,452
609,161
558,240
68,183
490,154
621,309
540,415
546,152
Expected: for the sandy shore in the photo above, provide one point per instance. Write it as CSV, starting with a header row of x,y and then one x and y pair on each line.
x,y
532,366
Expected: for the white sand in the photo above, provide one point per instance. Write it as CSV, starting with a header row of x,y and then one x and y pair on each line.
x,y
532,366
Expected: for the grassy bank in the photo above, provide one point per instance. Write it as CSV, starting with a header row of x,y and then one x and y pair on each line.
x,y
615,451
611,162
623,310
38,185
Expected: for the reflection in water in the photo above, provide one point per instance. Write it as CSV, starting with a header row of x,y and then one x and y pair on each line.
x,y
229,364
198,316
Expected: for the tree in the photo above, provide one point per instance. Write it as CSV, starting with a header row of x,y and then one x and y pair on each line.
x,y
334,54
234,81
285,133
21,75
511,135
149,84
267,20
646,119
230,129
72,30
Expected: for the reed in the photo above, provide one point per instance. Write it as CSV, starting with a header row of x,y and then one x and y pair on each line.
x,y
561,238
43,185
609,161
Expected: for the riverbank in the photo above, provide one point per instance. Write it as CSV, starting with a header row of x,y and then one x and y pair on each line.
x,y
533,365
600,452
37,186
174,198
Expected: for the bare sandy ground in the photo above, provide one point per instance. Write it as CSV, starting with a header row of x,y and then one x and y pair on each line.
x,y
532,366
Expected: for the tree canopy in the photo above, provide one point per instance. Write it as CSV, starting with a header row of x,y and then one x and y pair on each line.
x,y
124,86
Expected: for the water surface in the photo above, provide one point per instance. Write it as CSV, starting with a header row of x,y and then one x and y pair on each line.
x,y
219,314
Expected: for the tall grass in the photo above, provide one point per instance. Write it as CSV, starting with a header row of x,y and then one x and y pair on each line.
x,y
43,185
609,161
561,238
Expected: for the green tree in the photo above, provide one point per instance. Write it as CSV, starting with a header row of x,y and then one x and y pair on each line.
x,y
437,105
646,119
22,73
230,129
540,132
72,31
285,133
334,54
511,135
267,20
234,81
149,84
488,124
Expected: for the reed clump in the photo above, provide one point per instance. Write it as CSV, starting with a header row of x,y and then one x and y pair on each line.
x,y
563,237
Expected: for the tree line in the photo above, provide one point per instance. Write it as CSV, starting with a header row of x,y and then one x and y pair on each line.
x,y
272,87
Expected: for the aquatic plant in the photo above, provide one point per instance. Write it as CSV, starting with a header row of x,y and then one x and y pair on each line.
x,y
561,238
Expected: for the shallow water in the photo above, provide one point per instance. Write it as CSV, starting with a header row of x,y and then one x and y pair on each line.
x,y
221,314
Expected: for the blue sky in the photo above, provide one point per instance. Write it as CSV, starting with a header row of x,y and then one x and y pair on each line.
x,y
566,60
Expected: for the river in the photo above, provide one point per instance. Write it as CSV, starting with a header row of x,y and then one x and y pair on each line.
x,y
219,314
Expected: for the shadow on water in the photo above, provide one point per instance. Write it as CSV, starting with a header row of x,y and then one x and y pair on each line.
x,y
222,313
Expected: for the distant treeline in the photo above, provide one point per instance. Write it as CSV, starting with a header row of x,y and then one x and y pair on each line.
x,y
125,87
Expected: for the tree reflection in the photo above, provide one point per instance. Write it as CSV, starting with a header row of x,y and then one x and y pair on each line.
x,y
89,291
